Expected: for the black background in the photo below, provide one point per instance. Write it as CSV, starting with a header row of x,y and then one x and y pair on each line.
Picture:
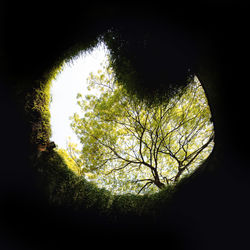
x,y
211,212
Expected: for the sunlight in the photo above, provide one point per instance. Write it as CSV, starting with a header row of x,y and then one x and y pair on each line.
x,y
130,147
125,145
70,81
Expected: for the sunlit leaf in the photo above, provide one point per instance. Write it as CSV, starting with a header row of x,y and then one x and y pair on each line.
x,y
128,146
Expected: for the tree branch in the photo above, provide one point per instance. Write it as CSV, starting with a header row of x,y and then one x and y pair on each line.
x,y
194,154
148,183
117,169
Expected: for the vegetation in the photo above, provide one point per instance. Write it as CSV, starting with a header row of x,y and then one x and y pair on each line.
x,y
129,145
62,186
64,182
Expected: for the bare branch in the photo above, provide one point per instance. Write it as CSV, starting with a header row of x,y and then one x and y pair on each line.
x,y
148,183
143,180
117,169
193,155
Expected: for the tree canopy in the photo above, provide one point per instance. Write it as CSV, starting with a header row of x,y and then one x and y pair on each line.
x,y
131,146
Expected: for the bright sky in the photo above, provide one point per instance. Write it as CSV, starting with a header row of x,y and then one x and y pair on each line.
x,y
68,83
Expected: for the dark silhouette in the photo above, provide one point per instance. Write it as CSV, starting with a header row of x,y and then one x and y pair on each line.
x,y
211,210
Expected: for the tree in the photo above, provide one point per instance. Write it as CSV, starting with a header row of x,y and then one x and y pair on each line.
x,y
131,146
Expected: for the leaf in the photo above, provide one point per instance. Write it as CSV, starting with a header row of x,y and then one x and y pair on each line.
x,y
124,139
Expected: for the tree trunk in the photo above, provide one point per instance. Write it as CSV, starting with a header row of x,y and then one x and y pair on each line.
x,y
157,181
159,184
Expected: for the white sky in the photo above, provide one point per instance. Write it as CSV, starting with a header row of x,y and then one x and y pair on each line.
x,y
64,88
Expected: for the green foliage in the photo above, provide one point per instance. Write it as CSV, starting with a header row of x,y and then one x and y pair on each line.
x,y
35,95
65,188
56,171
129,70
122,65
37,112
69,161
61,180
131,146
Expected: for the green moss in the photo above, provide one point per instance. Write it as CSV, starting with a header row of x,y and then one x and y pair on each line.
x,y
124,64
36,106
64,188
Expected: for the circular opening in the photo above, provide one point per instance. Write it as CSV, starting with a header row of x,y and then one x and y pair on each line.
x,y
120,142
